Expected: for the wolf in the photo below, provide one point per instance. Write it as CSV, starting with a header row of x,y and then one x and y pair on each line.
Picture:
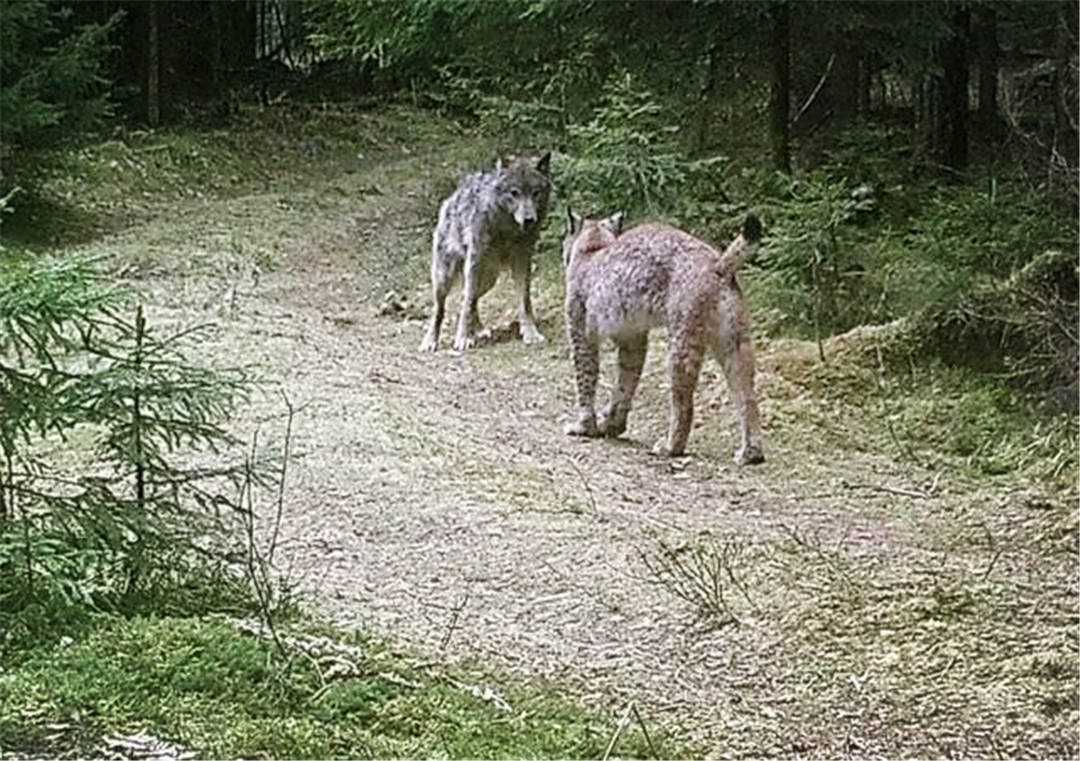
x,y
619,285
489,224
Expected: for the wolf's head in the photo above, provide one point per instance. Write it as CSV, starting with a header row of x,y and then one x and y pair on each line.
x,y
523,188
583,235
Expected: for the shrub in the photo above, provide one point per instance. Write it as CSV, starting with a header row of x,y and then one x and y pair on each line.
x,y
52,77
810,271
626,157
103,500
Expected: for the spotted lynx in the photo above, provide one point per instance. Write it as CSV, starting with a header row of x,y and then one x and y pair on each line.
x,y
619,286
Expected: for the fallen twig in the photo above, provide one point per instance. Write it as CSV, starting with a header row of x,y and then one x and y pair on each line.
x,y
618,731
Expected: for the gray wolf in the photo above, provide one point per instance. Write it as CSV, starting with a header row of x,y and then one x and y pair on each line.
x,y
489,224
619,286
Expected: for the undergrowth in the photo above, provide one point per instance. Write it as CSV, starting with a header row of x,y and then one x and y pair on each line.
x,y
219,691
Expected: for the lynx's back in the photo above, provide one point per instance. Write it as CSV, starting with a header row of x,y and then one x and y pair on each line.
x,y
645,278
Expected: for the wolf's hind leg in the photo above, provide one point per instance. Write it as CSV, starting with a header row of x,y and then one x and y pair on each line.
x,y
469,320
444,268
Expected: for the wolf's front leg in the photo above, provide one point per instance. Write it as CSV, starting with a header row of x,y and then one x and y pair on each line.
x,y
522,270
469,320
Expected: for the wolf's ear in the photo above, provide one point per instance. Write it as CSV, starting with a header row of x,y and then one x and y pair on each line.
x,y
614,223
503,160
544,164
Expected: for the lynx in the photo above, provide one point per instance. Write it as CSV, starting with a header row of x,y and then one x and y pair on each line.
x,y
619,286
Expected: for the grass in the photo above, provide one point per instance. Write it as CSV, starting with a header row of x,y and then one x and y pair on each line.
x,y
914,653
209,689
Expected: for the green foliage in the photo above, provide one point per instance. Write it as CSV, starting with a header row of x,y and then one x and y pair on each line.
x,y
980,262
406,40
809,270
220,694
954,418
1023,326
627,157
103,502
53,77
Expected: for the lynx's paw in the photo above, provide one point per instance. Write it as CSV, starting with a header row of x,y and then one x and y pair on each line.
x,y
612,422
751,455
530,335
585,425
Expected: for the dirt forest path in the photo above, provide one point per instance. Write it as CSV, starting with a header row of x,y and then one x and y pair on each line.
x,y
433,500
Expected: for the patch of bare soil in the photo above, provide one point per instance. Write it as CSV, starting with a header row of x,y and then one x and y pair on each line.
x,y
851,603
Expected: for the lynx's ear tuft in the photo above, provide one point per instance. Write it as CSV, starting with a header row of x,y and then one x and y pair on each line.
x,y
574,222
614,223
752,229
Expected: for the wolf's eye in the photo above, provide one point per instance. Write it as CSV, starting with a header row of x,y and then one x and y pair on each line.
x,y
515,193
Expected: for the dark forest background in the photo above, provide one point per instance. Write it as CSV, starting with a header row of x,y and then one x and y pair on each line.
x,y
912,159
963,79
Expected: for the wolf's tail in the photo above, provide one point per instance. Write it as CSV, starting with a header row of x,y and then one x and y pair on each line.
x,y
742,246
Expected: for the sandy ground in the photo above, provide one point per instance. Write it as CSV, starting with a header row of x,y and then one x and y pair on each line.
x,y
433,500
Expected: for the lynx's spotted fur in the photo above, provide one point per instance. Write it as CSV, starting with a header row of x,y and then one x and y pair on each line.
x,y
619,286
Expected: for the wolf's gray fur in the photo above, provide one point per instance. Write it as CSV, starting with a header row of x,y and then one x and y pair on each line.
x,y
619,286
490,223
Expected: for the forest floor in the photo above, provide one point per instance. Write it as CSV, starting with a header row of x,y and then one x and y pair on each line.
x,y
857,595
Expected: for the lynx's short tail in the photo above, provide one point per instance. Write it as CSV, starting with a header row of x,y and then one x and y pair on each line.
x,y
742,246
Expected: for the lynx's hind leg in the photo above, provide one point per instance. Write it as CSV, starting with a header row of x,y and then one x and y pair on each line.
x,y
736,356
685,355
631,359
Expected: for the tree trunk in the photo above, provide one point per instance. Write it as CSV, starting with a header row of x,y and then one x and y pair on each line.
x,y
705,98
780,96
952,124
846,86
153,103
1065,147
987,57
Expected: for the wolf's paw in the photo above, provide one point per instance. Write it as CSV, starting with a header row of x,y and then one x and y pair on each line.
x,y
751,455
430,343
